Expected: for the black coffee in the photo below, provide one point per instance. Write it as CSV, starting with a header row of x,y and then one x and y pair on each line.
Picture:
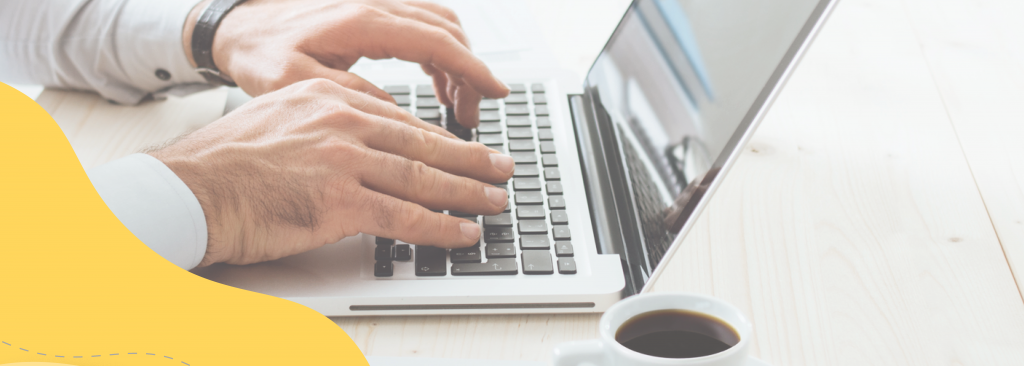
x,y
676,334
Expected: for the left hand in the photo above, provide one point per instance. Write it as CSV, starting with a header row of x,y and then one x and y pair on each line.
x,y
265,45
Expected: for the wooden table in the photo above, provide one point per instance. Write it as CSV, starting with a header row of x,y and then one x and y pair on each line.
x,y
877,217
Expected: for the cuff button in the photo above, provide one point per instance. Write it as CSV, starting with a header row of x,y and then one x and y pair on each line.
x,y
163,74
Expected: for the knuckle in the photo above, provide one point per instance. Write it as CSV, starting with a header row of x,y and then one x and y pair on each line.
x,y
423,174
414,218
384,211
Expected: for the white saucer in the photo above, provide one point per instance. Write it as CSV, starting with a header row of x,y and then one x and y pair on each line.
x,y
754,361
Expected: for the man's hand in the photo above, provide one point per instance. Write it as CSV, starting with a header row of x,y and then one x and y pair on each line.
x,y
315,162
265,45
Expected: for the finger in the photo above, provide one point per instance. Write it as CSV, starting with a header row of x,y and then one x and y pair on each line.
x,y
306,68
420,14
433,46
467,159
390,217
377,109
440,84
467,106
437,9
417,182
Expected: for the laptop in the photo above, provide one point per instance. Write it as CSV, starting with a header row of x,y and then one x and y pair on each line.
x,y
611,172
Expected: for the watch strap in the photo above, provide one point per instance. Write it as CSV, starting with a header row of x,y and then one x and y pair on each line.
x,y
202,40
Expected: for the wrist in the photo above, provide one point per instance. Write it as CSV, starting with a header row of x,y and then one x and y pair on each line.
x,y
218,215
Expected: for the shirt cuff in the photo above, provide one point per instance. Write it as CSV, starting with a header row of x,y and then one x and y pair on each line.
x,y
155,205
149,41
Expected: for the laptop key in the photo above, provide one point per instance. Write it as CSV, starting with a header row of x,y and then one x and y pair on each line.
x,y
520,133
524,157
541,110
488,127
505,266
462,214
427,103
396,89
543,122
503,219
517,88
402,100
526,170
490,116
559,217
403,252
561,232
383,269
563,249
537,262
547,147
529,198
507,250
530,212
465,255
490,140
537,88
489,105
540,99
533,227
549,160
530,242
517,110
516,99
430,261
552,174
566,265
526,184
544,134
424,90
382,253
499,235
554,188
521,145
556,202
433,114
384,241
518,121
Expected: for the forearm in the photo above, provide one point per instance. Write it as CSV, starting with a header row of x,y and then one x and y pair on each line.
x,y
122,49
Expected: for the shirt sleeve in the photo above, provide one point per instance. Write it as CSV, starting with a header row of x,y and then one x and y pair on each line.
x,y
155,205
122,49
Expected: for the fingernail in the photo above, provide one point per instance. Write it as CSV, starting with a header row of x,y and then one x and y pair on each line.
x,y
503,162
497,196
470,230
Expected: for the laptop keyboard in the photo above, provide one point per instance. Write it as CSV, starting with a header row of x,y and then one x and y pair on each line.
x,y
532,235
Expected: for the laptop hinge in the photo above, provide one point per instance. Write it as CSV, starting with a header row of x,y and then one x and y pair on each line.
x,y
598,149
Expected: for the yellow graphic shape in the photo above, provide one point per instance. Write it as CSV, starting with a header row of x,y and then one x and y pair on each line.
x,y
75,282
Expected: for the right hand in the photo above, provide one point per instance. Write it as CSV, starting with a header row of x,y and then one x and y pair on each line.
x,y
265,45
315,162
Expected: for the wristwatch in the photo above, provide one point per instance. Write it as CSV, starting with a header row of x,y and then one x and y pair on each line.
x,y
202,40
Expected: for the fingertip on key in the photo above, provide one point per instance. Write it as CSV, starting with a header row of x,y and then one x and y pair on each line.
x,y
470,230
503,163
497,196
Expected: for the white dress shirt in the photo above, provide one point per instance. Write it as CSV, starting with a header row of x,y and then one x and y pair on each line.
x,y
124,50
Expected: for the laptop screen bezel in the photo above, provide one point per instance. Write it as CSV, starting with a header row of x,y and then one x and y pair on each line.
x,y
703,191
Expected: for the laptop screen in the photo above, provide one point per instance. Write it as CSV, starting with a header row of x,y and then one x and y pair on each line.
x,y
678,80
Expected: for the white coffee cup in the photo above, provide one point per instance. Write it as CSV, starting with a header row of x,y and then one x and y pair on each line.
x,y
606,351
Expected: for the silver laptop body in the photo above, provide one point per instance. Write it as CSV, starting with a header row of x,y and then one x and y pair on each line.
x,y
637,150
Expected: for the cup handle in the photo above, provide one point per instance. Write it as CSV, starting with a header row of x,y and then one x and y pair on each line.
x,y
580,353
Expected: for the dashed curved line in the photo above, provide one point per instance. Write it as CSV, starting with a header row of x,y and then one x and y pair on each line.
x,y
112,354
